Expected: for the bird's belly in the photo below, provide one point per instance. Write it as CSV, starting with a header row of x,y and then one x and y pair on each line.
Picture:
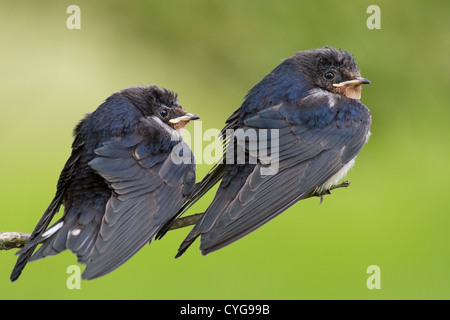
x,y
337,177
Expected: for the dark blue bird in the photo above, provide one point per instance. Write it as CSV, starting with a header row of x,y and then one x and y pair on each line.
x,y
311,104
120,184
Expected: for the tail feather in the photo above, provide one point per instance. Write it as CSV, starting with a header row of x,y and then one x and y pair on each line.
x,y
35,238
187,242
72,235
66,233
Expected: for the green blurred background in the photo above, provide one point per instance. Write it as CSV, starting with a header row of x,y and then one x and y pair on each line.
x,y
394,215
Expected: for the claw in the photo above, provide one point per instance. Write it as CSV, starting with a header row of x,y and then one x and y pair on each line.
x,y
322,196
321,199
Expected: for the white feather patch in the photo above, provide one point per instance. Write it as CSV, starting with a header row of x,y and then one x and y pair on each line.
x,y
337,177
75,232
319,93
52,230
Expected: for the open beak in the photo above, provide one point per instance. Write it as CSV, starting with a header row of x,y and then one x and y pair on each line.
x,y
356,82
186,118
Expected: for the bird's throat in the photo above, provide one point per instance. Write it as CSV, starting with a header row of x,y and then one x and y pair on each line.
x,y
350,91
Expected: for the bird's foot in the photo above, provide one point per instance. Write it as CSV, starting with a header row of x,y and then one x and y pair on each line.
x,y
322,194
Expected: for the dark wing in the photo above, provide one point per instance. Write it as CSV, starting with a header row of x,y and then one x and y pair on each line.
x,y
315,142
150,179
210,180
36,236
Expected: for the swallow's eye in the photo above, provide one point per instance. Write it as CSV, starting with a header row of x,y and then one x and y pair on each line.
x,y
329,75
163,113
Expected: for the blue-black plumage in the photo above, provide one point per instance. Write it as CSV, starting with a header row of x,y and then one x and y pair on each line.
x,y
120,184
313,99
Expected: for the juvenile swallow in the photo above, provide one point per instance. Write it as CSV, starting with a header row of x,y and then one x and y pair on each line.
x,y
313,100
120,184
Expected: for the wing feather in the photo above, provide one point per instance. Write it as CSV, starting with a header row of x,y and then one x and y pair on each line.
x,y
148,190
314,145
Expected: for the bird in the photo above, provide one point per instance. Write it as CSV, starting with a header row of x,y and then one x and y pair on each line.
x,y
311,103
128,173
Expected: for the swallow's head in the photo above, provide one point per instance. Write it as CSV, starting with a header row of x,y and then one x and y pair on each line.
x,y
161,103
332,70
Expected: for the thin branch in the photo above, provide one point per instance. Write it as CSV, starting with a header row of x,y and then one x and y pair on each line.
x,y
186,221
15,240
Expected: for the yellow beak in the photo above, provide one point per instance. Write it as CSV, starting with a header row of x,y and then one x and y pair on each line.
x,y
186,117
355,82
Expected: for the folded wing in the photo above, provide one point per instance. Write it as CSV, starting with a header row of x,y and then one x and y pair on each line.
x,y
150,179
